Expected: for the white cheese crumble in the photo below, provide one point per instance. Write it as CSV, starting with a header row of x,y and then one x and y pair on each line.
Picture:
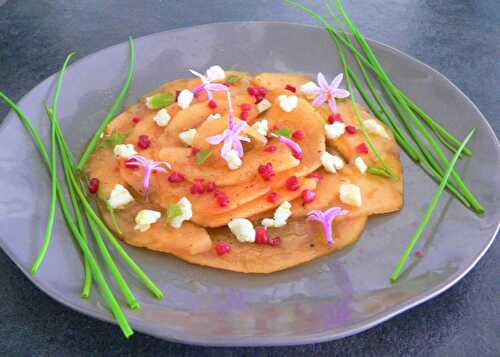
x,y
350,194
331,163
215,116
360,164
263,105
216,73
145,218
373,127
187,137
282,213
335,130
119,197
288,102
243,229
187,213
233,160
261,127
124,151
185,98
162,118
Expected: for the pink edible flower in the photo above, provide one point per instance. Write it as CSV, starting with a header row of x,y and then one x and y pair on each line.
x,y
207,85
231,136
149,167
328,92
326,219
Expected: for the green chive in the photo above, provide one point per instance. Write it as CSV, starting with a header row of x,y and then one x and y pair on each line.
x,y
203,156
113,218
233,79
114,108
379,171
283,132
160,100
428,214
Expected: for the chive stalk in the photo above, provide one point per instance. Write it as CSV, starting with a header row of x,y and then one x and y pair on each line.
x,y
428,214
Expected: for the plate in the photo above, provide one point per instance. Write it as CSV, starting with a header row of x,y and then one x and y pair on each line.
x,y
330,298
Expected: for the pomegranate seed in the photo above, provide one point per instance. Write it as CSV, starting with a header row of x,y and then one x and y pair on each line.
x,y
274,242
197,188
194,151
212,104
131,164
261,235
362,148
273,197
270,148
177,92
315,175
308,196
298,135
291,88
222,199
244,116
351,129
252,91
419,254
210,186
262,91
298,155
144,142
266,171
335,117
222,248
135,120
245,107
94,185
259,98
292,183
175,177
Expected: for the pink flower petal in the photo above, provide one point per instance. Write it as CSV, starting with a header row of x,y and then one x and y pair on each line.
x,y
336,81
216,139
332,104
320,99
217,87
322,82
341,93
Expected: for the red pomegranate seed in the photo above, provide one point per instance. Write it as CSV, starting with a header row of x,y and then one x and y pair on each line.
x,y
292,183
222,248
266,171
335,117
298,155
244,116
144,142
273,197
245,107
362,148
135,120
177,92
308,196
259,98
351,129
252,91
94,185
222,199
194,151
197,188
262,91
298,135
291,88
131,164
176,177
211,186
261,235
270,148
212,104
315,175
274,242
419,254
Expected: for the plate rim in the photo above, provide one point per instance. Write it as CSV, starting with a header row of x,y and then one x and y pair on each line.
x,y
324,336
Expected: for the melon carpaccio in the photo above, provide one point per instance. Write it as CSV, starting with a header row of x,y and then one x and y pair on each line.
x,y
248,194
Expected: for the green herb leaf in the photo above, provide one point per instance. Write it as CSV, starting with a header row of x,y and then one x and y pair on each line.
x,y
283,132
173,210
160,100
203,155
233,79
114,139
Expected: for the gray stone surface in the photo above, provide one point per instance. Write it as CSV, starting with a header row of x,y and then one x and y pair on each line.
x,y
457,37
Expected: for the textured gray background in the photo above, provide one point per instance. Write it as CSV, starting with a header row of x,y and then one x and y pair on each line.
x,y
460,38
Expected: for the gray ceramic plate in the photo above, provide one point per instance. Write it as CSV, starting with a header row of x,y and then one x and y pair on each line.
x,y
327,299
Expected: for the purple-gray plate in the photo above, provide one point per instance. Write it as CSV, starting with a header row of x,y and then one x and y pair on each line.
x,y
327,299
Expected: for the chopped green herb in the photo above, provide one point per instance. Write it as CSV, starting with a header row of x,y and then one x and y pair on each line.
x,y
113,218
203,156
173,210
233,79
379,171
114,139
283,132
160,100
